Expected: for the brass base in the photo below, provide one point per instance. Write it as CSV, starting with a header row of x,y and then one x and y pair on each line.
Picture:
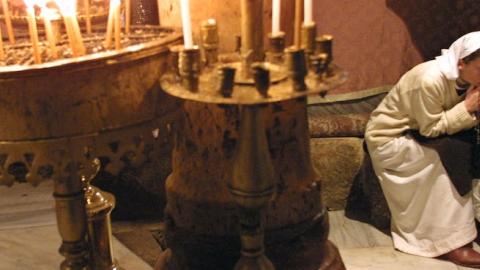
x,y
76,256
308,251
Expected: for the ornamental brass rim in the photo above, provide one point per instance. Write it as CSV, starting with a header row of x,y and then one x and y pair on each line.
x,y
209,84
97,60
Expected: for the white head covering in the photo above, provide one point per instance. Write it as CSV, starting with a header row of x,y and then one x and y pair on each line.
x,y
460,49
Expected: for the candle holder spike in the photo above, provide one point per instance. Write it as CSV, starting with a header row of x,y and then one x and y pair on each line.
x,y
261,77
227,80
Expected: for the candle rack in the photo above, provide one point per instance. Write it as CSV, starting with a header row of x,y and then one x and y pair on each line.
x,y
60,116
98,15
247,88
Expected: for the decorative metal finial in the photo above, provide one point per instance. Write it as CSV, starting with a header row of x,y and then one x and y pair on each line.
x,y
99,205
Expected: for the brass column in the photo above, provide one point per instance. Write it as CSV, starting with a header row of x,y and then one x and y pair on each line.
x,y
71,220
252,187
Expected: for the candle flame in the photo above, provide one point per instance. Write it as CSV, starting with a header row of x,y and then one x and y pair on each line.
x,y
114,3
211,21
47,12
67,7
30,3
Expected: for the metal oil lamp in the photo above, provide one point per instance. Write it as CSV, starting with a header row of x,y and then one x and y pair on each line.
x,y
243,190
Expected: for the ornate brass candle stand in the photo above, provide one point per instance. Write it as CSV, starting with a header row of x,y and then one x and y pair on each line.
x,y
57,117
248,151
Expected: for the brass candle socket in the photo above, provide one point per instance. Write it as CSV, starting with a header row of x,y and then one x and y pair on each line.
x,y
296,67
277,47
261,77
174,56
210,40
226,76
189,65
324,44
309,33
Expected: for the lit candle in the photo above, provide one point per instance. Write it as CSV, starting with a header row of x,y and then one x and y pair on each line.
x,y
69,13
88,19
308,12
8,21
276,17
159,6
32,29
118,29
128,16
110,23
187,25
2,51
298,23
47,15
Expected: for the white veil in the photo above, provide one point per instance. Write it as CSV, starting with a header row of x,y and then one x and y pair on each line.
x,y
460,49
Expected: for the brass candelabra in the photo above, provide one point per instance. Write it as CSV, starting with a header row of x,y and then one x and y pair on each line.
x,y
250,82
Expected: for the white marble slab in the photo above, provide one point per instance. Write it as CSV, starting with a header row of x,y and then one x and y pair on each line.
x,y
25,206
37,248
29,238
28,232
347,233
386,258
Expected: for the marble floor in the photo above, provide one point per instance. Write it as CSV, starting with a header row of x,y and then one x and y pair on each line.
x,y
363,247
29,240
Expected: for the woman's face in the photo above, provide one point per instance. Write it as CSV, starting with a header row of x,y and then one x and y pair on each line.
x,y
470,72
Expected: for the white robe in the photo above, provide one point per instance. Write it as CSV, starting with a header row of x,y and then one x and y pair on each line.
x,y
429,217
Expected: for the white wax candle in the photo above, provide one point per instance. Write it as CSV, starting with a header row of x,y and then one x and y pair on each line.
x,y
308,19
128,16
8,21
47,15
187,24
118,28
2,50
68,8
88,19
159,6
276,17
32,29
